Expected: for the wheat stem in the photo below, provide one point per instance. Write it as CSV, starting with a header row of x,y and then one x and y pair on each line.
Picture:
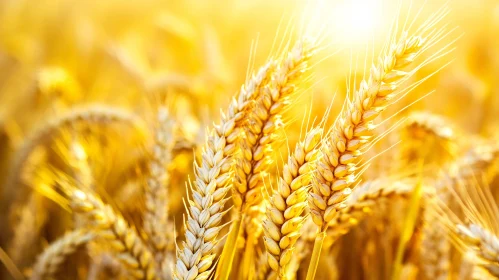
x,y
226,260
316,253
408,229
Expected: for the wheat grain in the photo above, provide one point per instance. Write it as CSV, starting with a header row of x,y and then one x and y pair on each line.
x,y
53,257
287,203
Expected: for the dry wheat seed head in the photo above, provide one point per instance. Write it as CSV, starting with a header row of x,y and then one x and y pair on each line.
x,y
285,213
265,120
213,178
109,225
156,224
54,256
353,130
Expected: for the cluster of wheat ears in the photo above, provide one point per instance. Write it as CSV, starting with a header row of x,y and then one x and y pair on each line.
x,y
244,218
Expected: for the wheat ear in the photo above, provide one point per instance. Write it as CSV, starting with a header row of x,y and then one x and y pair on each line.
x,y
352,133
263,123
287,203
212,182
111,226
156,224
260,136
52,257
354,130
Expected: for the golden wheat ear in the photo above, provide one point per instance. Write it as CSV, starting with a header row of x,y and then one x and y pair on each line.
x,y
101,220
156,183
353,131
260,136
53,257
287,203
213,179
363,200
112,227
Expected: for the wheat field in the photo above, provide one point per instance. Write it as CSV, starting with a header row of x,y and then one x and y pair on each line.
x,y
231,139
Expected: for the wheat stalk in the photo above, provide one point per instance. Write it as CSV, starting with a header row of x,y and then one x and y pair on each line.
x,y
156,225
287,203
253,229
212,182
52,257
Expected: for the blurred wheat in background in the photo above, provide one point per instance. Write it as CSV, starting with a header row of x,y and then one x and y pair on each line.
x,y
230,139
